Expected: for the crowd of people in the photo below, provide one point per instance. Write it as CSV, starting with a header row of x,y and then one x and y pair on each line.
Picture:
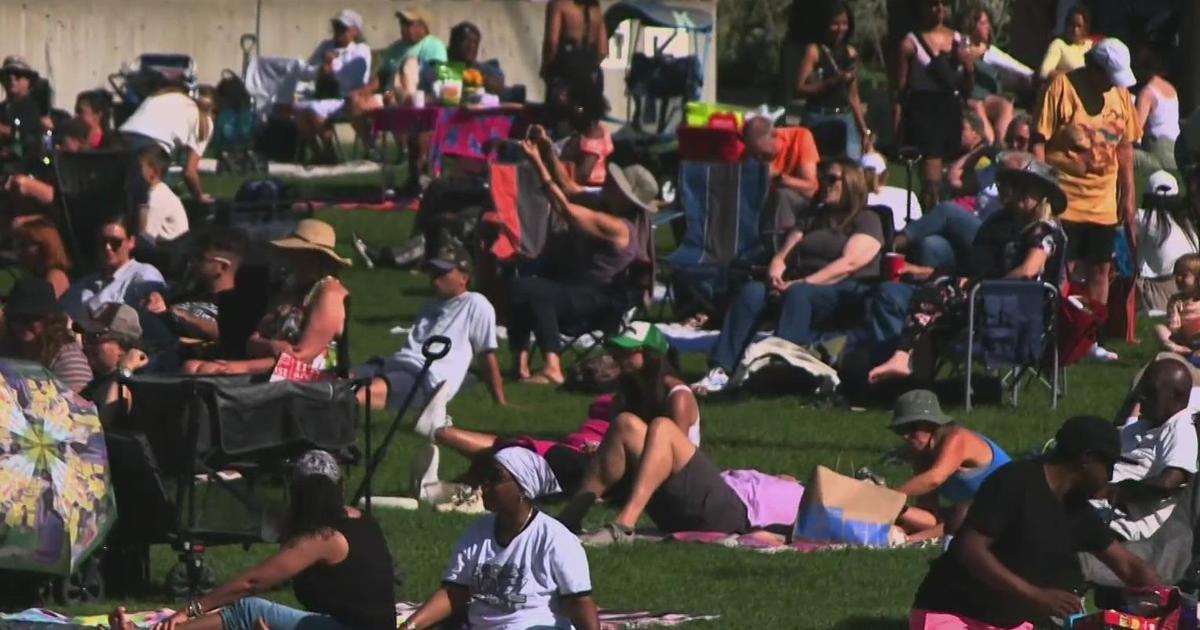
x,y
1024,175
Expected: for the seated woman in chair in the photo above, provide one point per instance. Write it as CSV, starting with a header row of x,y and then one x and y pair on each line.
x,y
817,276
311,314
1015,243
582,276
340,65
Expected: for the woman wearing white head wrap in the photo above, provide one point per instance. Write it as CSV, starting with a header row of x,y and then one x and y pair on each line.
x,y
517,567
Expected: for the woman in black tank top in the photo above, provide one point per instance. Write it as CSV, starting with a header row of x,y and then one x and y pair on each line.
x,y
931,82
335,556
828,82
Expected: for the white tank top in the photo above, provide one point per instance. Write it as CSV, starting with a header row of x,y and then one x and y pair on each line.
x,y
1163,121
694,430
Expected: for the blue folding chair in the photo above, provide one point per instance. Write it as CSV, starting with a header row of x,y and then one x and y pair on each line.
x,y
1012,325
723,237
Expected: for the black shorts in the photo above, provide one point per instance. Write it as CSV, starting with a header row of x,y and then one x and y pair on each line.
x,y
698,499
1090,243
933,124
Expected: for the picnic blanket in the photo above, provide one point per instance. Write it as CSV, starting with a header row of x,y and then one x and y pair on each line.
x,y
766,542
609,619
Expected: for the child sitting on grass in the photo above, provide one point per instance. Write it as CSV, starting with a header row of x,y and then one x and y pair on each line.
x,y
1181,334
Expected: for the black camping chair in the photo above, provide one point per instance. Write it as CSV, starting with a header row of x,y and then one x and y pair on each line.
x,y
93,186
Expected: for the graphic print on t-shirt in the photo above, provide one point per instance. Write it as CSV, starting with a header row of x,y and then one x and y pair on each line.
x,y
499,585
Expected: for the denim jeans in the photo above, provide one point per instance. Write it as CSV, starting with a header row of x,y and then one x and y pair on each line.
x,y
804,311
886,313
823,125
942,237
245,613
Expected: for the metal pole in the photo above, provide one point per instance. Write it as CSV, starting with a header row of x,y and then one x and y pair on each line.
x,y
258,27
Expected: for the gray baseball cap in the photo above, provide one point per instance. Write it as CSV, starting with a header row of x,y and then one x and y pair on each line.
x,y
118,321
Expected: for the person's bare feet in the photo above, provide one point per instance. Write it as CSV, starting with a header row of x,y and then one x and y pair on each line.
x,y
544,378
119,620
895,367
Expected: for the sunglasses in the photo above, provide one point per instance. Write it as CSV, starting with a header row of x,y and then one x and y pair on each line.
x,y
112,242
831,177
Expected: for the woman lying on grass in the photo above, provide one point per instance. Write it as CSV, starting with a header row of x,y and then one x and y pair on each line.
x,y
335,557
648,388
948,461
516,567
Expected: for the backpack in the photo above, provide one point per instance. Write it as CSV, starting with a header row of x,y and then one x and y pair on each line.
x,y
267,190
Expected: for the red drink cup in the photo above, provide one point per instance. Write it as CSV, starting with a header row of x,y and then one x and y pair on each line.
x,y
893,266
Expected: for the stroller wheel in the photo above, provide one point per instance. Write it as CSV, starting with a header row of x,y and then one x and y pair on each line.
x,y
191,577
85,585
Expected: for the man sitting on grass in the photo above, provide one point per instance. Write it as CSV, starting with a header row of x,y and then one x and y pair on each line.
x,y
677,486
466,318
1012,561
1160,445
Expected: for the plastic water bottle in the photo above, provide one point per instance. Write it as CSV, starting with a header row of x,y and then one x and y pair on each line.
x,y
17,147
47,146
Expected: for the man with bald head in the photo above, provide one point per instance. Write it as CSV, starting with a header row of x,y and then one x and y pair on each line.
x,y
1160,444
793,156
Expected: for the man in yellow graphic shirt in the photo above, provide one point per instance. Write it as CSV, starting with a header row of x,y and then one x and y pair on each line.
x,y
1086,127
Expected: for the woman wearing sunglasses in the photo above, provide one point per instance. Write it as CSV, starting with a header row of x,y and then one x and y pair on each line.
x,y
516,567
1017,242
816,279
949,464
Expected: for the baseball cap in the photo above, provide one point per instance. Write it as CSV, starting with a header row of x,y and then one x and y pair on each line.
x,y
448,259
415,14
1112,55
641,336
317,462
349,17
31,299
1088,434
1163,183
873,161
118,321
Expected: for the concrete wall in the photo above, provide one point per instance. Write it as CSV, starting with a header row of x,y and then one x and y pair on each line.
x,y
78,43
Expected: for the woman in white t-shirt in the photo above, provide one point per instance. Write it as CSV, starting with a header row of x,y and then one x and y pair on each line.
x,y
1165,232
516,568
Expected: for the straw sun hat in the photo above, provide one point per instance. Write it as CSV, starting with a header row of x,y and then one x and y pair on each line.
x,y
315,236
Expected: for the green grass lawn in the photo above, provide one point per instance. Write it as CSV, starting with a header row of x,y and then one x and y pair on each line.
x,y
848,589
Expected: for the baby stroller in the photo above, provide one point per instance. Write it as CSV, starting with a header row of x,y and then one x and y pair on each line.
x,y
203,461
658,85
234,128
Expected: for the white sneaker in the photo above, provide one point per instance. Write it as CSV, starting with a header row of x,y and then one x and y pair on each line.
x,y
433,416
1101,354
466,500
424,469
713,382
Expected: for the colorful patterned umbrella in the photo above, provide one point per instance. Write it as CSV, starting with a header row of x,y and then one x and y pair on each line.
x,y
56,499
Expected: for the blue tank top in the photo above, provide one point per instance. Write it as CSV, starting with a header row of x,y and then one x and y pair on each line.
x,y
963,485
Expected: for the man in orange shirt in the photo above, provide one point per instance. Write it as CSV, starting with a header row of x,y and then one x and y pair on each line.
x,y
792,154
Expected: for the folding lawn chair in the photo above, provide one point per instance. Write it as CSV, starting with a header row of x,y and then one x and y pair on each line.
x,y
723,238
92,187
1012,325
